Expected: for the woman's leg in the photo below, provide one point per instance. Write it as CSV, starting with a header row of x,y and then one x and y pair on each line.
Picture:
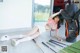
x,y
17,41
7,37
33,31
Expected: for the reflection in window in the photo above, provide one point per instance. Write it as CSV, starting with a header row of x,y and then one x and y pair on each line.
x,y
41,10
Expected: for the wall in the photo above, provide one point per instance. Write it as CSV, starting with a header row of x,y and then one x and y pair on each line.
x,y
15,14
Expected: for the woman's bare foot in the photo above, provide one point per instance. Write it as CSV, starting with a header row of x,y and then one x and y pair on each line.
x,y
4,38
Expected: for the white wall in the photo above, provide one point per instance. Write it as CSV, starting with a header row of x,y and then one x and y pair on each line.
x,y
15,14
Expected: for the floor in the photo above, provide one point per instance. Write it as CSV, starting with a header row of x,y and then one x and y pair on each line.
x,y
31,47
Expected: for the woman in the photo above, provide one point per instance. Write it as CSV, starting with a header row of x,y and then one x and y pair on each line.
x,y
54,23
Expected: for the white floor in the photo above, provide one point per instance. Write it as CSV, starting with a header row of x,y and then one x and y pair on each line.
x,y
30,47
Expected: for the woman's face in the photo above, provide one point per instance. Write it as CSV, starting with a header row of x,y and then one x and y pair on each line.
x,y
56,19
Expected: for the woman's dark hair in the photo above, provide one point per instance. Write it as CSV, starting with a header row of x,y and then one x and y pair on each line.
x,y
58,25
59,22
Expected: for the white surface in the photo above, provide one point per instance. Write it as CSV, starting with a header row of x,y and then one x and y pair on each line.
x,y
30,47
15,14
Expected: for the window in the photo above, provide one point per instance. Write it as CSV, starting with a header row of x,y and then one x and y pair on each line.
x,y
41,10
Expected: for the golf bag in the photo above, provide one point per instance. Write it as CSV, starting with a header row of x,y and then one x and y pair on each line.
x,y
72,22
